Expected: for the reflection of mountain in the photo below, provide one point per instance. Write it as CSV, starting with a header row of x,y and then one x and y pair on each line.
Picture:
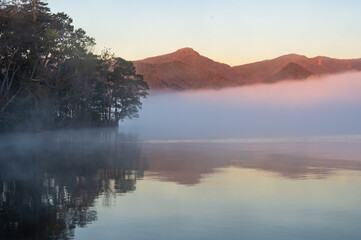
x,y
48,183
187,69
189,163
184,164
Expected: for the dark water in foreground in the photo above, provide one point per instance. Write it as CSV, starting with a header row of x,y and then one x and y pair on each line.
x,y
102,184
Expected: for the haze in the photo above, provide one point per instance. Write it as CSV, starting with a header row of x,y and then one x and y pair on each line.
x,y
233,32
328,105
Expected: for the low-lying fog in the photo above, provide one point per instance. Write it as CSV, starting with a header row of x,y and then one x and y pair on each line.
x,y
328,105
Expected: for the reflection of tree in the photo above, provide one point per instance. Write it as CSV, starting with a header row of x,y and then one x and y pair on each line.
x,y
49,183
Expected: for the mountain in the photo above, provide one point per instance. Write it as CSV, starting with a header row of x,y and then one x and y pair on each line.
x,y
262,72
291,71
259,72
187,69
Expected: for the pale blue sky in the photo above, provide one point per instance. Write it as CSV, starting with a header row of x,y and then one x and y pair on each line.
x,y
229,31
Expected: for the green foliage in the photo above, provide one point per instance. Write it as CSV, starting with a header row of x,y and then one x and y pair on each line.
x,y
50,78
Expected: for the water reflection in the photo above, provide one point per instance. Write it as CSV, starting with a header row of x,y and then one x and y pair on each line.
x,y
189,163
49,181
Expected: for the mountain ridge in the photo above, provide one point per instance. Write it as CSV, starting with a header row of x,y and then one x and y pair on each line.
x,y
187,69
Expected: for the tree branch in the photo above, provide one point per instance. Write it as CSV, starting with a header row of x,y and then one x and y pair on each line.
x,y
10,100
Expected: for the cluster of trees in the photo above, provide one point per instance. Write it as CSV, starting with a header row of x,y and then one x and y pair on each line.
x,y
50,76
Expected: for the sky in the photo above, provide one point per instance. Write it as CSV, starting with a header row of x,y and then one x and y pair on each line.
x,y
229,31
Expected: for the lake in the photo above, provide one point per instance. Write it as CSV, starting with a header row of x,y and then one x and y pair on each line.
x,y
196,165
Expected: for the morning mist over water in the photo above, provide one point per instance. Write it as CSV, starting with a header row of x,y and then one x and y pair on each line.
x,y
326,105
180,120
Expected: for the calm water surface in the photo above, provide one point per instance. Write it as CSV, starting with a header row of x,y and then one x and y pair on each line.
x,y
279,161
102,184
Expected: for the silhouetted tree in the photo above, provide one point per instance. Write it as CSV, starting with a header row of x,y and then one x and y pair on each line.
x,y
50,78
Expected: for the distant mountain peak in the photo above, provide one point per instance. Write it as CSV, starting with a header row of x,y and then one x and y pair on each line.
x,y
292,56
292,65
178,55
290,71
187,50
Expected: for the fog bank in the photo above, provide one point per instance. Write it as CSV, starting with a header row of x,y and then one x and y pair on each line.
x,y
325,105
